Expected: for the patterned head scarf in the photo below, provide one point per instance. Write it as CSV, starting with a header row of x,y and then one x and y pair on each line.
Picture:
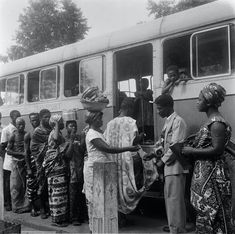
x,y
214,94
93,116
54,118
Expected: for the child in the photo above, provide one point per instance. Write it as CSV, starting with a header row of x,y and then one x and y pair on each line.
x,y
77,203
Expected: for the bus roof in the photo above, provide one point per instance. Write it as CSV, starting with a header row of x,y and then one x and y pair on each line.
x,y
207,14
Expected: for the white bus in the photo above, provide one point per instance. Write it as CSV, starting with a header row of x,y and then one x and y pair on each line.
x,y
200,41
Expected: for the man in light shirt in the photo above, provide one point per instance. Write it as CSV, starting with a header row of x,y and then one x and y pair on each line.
x,y
174,131
5,136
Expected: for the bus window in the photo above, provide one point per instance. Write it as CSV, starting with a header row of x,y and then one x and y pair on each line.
x,y
71,79
91,73
33,86
14,90
2,91
176,51
48,84
127,88
210,52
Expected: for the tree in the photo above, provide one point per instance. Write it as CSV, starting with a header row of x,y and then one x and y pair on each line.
x,y
47,24
167,7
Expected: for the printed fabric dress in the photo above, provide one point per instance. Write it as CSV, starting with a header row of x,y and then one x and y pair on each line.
x,y
57,177
121,132
211,187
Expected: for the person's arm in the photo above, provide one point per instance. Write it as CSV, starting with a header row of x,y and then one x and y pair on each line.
x,y
27,139
10,148
4,140
217,147
168,86
178,135
103,146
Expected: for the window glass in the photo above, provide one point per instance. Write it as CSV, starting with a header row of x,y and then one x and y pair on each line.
x,y
71,79
21,93
12,91
48,84
2,91
210,52
33,86
91,73
128,87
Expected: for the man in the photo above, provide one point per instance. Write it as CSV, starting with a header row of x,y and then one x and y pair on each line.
x,y
5,136
32,184
15,148
38,148
174,131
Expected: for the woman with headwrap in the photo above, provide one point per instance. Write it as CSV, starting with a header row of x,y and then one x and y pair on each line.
x,y
211,187
56,172
97,150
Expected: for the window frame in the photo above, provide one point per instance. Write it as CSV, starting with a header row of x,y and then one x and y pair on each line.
x,y
103,58
229,53
40,77
18,77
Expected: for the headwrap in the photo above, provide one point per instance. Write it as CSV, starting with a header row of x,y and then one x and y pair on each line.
x,y
93,116
172,68
54,118
214,94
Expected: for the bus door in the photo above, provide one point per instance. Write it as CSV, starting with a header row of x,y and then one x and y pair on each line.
x,y
134,71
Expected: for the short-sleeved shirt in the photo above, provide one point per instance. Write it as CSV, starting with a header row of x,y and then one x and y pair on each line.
x,y
5,136
93,153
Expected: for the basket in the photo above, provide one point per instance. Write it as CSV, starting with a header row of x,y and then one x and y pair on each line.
x,y
94,106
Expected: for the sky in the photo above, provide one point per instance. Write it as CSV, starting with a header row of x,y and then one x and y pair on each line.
x,y
103,16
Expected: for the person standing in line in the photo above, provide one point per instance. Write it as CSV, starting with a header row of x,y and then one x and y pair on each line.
x,y
97,150
5,136
15,148
211,185
32,184
174,131
56,172
38,148
77,202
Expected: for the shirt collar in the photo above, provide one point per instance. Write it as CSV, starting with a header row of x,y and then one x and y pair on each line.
x,y
168,119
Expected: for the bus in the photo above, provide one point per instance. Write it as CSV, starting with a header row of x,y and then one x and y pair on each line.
x,y
200,41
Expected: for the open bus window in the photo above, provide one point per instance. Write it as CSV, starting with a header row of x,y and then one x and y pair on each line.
x,y
33,86
132,66
2,91
48,84
71,79
176,51
91,73
210,52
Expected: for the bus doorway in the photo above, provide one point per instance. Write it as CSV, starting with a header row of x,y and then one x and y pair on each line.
x,y
134,72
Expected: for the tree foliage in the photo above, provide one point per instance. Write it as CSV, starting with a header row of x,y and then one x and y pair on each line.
x,y
167,7
47,24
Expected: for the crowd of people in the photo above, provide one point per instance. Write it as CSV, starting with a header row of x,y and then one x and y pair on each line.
x,y
49,174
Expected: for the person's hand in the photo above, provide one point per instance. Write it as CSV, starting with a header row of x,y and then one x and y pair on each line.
x,y
134,148
149,156
160,163
187,150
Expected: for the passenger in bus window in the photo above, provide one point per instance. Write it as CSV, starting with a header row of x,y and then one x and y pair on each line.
x,y
174,78
7,164
55,168
143,110
15,148
32,185
38,148
75,154
174,131
211,185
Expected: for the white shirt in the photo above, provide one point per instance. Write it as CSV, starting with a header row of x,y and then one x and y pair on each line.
x,y
5,136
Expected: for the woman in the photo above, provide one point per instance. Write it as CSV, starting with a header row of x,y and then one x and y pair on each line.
x,y
97,150
56,172
120,132
210,187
